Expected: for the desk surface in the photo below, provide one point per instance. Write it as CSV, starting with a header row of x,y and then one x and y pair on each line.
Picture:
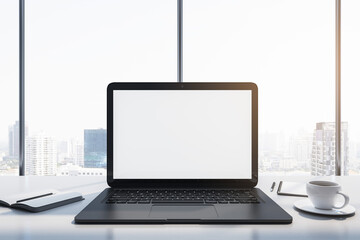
x,y
59,223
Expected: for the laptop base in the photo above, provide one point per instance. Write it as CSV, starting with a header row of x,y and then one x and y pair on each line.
x,y
265,212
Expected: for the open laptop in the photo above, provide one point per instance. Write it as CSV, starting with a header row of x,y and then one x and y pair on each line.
x,y
182,153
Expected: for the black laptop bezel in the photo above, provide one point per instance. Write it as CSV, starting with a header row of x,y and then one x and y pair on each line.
x,y
182,183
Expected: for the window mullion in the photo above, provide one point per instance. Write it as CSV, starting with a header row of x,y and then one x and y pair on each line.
x,y
21,87
180,40
338,90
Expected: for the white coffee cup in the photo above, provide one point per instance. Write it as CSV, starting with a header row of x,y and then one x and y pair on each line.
x,y
323,194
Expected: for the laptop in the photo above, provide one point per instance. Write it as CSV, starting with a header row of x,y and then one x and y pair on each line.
x,y
182,153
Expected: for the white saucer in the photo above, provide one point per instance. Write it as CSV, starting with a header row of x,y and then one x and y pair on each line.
x,y
306,205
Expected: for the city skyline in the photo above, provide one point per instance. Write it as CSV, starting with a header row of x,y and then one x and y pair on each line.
x,y
278,152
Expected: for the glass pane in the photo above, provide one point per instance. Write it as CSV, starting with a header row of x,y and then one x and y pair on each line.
x,y
350,47
74,49
9,87
287,49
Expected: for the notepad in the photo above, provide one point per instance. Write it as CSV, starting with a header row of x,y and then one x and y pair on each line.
x,y
41,200
296,189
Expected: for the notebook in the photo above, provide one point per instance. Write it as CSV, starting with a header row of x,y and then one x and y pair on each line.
x,y
296,189
40,200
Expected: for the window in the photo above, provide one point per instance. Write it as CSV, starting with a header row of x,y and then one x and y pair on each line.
x,y
9,88
287,48
74,49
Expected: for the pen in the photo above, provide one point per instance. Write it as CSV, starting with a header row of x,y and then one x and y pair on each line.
x,y
31,198
272,186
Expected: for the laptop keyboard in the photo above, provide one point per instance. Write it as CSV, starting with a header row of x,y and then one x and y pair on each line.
x,y
181,196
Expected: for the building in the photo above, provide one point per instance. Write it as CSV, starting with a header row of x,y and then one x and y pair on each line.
x,y
41,155
95,148
300,148
70,152
78,153
14,141
323,149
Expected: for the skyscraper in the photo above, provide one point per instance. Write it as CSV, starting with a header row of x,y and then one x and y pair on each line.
x,y
78,152
70,152
323,149
95,148
14,140
300,147
41,155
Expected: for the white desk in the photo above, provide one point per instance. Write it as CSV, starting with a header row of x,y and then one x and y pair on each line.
x,y
59,223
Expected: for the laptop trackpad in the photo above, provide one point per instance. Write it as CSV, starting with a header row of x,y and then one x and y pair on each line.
x,y
183,211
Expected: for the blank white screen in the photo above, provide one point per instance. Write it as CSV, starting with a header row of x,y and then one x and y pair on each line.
x,y
187,134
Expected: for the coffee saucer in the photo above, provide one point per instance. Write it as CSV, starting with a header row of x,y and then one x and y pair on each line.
x,y
307,206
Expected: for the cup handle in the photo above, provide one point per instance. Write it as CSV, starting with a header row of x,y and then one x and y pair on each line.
x,y
346,202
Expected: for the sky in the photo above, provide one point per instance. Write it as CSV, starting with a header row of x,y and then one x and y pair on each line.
x,y
8,67
75,48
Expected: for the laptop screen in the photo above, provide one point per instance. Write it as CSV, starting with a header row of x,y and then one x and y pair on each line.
x,y
182,134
